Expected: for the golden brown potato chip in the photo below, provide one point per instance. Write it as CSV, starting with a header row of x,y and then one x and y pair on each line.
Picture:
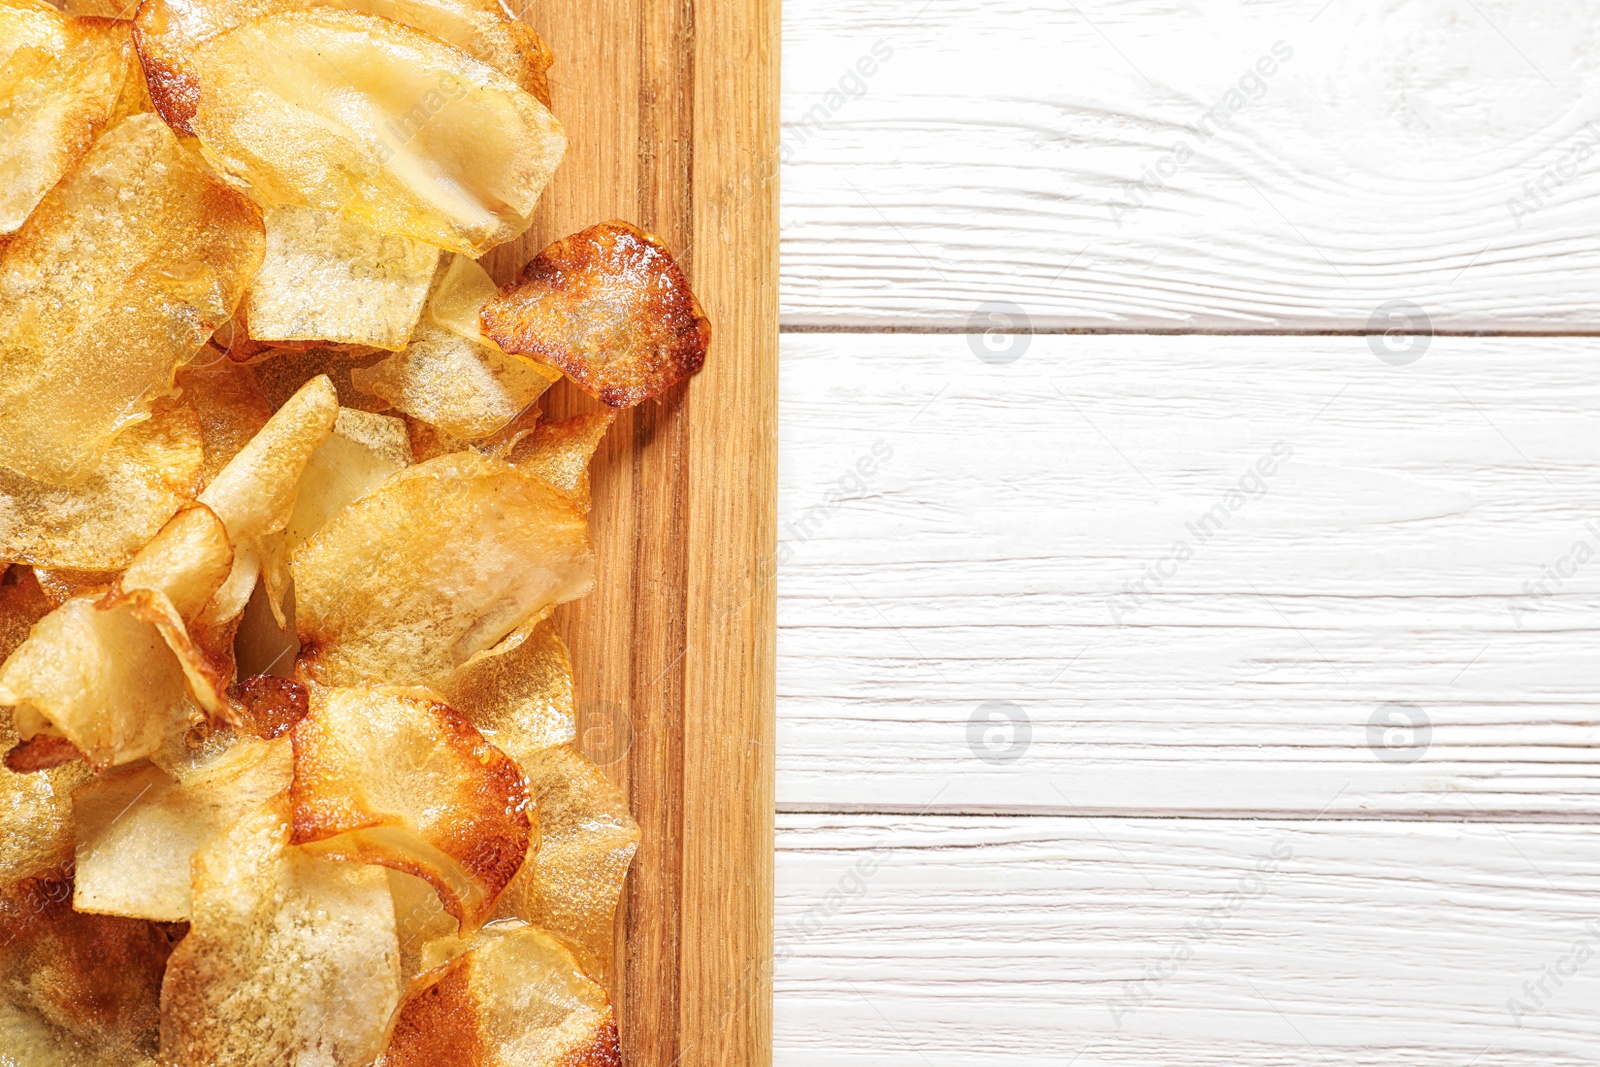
x,y
76,990
140,482
435,566
254,494
170,29
160,253
559,452
138,828
516,998
60,81
271,706
520,700
352,112
420,920
610,308
23,602
230,407
284,370
106,681
465,389
60,586
571,885
392,777
290,959
326,277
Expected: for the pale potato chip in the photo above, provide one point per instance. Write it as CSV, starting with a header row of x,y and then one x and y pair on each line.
x,y
60,81
77,990
141,481
161,253
435,566
393,777
170,29
465,389
610,308
230,406
290,959
559,452
186,562
138,828
520,700
420,920
104,681
352,112
587,840
516,998
356,457
458,301
326,277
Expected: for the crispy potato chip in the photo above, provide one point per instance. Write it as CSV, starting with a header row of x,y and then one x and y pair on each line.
x,y
106,681
77,990
35,816
467,390
161,252
60,82
436,565
326,277
170,29
254,494
60,586
290,959
140,482
587,840
138,828
230,407
425,141
271,706
610,308
521,700
559,452
285,370
392,777
186,562
420,920
458,300
356,457
516,998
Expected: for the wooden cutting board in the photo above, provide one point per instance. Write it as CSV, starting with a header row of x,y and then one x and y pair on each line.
x,y
671,110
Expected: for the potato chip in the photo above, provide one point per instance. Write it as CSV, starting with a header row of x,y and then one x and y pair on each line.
x,y
587,840
186,562
467,390
437,565
516,998
105,681
138,828
147,474
170,29
161,253
79,990
520,700
271,706
356,457
355,113
290,959
610,308
60,81
392,777
230,407
559,452
61,585
326,277
458,300
420,920
285,370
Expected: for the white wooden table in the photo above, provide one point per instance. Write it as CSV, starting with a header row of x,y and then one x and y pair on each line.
x,y
1203,677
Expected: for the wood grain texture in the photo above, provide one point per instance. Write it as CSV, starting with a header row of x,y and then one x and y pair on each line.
x,y
665,105
956,533
946,942
1435,151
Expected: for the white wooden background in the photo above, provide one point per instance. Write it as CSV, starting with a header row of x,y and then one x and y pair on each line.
x,y
1191,825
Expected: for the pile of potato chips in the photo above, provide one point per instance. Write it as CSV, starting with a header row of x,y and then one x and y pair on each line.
x,y
291,770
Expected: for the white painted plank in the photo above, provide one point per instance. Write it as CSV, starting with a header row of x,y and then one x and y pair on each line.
x,y
930,942
986,552
991,150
